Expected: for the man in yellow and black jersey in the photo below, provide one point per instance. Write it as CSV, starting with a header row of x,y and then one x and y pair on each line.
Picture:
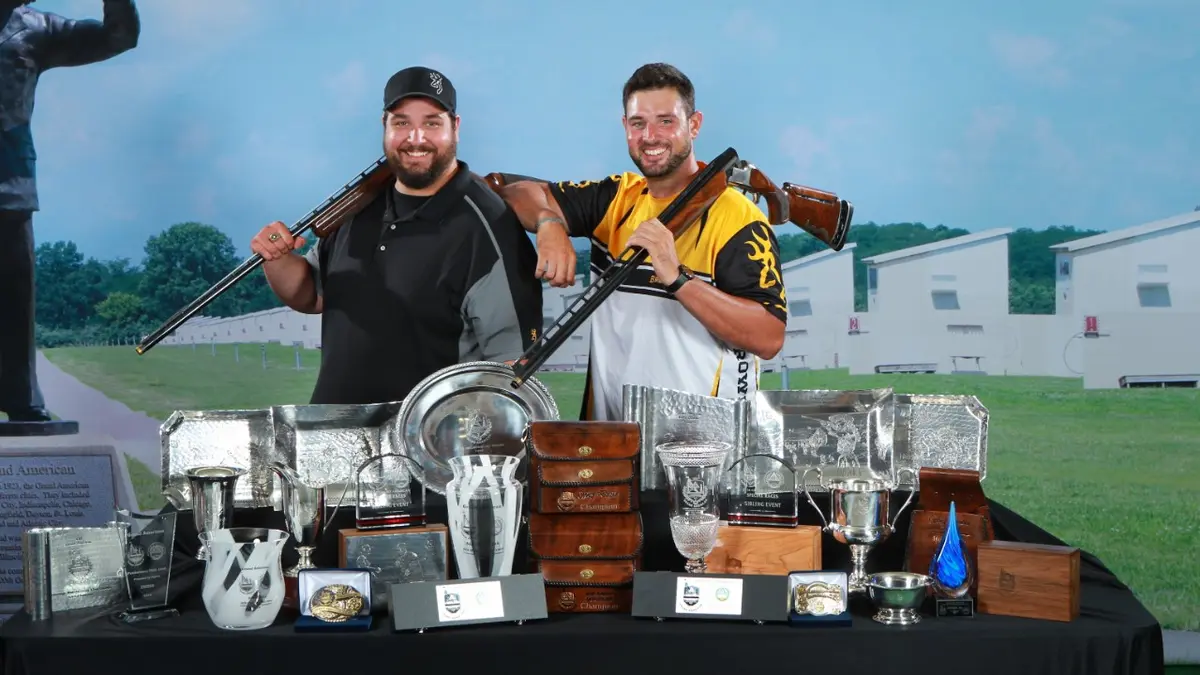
x,y
704,309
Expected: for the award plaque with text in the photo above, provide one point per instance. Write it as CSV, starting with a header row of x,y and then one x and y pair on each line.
x,y
390,493
149,541
761,490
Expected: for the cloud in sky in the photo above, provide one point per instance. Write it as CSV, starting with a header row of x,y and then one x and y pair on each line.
x,y
1031,56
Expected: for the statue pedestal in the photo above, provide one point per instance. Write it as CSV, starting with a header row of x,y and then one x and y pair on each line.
x,y
24,429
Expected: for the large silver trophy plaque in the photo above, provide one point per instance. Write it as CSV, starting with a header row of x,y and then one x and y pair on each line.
x,y
941,431
843,433
323,444
671,416
469,409
69,568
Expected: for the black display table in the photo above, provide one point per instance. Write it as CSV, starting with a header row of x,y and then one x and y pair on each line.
x,y
1114,634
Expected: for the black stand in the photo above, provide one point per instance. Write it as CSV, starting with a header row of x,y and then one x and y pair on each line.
x,y
724,597
464,602
26,429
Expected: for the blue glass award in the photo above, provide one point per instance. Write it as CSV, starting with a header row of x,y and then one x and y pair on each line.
x,y
951,573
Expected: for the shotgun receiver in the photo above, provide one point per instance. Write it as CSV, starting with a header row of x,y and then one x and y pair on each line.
x,y
817,212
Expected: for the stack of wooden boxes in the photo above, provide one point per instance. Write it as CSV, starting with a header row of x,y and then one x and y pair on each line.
x,y
585,530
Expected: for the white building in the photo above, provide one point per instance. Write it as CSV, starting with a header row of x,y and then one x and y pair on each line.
x,y
820,294
938,307
1132,298
1149,267
281,324
963,274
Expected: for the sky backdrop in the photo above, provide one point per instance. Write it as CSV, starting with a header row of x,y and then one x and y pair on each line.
x,y
239,112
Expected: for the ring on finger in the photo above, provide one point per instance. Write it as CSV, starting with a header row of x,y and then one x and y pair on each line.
x,y
274,236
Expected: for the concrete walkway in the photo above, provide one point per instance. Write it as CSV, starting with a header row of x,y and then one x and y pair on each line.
x,y
133,433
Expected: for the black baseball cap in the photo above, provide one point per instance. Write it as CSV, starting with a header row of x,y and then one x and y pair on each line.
x,y
420,81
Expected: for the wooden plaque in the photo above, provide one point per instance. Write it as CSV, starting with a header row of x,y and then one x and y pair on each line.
x,y
765,550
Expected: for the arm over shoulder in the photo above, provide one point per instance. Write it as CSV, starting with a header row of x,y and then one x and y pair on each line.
x,y
584,204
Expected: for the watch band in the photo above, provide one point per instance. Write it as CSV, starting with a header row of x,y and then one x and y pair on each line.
x,y
685,275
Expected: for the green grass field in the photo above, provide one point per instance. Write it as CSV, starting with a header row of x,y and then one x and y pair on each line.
x,y
1114,472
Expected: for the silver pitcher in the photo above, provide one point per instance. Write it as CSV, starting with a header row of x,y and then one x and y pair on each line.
x,y
304,513
212,489
858,516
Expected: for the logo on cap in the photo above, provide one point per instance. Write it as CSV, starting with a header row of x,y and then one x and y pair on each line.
x,y
435,81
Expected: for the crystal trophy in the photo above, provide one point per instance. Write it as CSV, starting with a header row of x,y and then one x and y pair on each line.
x,y
951,573
693,479
149,545
390,493
761,490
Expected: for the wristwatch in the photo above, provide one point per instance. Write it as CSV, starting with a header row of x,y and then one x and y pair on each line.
x,y
685,275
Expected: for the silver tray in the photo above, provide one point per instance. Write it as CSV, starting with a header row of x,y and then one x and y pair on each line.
x,y
469,409
846,434
241,438
667,415
945,431
324,444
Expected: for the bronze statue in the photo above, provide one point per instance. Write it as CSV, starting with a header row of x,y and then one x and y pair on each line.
x,y
32,42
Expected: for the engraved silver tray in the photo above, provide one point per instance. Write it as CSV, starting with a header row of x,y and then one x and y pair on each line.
x,y
846,434
241,438
469,409
667,415
946,431
324,444
327,443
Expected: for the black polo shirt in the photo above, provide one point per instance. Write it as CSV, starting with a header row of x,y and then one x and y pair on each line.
x,y
415,284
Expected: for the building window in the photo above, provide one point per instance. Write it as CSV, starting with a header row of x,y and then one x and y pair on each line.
x,y
1064,269
965,329
945,299
1154,295
1152,269
872,278
945,277
800,308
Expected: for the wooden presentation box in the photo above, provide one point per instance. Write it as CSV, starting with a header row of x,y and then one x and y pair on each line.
x,y
1032,581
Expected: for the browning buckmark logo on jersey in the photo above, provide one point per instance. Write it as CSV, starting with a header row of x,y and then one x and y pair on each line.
x,y
643,335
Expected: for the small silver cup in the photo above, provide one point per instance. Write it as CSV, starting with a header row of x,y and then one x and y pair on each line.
x,y
212,490
858,516
898,597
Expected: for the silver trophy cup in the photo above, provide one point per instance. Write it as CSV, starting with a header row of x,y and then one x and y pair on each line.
x,y
858,516
212,490
304,513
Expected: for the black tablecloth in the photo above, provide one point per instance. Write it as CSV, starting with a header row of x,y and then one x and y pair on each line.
x,y
1113,635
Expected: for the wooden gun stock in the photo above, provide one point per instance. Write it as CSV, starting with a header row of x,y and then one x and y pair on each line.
x,y
820,214
817,212
497,180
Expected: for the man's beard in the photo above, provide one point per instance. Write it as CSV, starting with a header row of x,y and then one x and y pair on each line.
x,y
675,161
419,179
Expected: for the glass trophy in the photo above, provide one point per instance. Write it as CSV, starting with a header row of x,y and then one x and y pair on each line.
x,y
952,573
390,493
149,544
761,490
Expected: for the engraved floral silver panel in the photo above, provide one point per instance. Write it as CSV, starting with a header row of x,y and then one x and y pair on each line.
x,y
669,415
944,431
238,438
326,443
847,434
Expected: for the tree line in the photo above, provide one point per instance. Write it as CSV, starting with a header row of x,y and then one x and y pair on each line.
x,y
82,300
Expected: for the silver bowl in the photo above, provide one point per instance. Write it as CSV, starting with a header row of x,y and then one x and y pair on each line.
x,y
898,597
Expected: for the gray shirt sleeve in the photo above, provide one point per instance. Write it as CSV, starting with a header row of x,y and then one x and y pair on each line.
x,y
502,310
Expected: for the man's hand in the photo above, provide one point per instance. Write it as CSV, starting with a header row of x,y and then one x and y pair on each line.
x,y
556,255
274,242
660,244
